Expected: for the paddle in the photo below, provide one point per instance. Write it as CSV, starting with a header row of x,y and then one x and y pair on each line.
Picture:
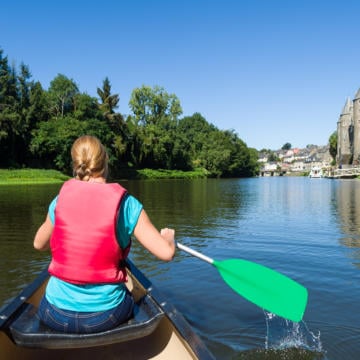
x,y
262,286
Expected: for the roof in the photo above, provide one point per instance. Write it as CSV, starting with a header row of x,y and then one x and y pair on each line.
x,y
357,96
347,107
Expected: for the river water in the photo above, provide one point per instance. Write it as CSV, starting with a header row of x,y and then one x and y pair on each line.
x,y
307,229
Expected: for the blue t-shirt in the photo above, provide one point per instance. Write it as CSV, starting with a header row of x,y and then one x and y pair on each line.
x,y
93,297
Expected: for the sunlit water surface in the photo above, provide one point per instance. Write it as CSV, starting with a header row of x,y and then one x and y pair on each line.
x,y
307,229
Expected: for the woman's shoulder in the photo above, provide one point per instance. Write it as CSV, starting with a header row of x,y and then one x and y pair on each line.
x,y
131,201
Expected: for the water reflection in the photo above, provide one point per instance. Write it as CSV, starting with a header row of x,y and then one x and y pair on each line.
x,y
23,208
193,208
348,211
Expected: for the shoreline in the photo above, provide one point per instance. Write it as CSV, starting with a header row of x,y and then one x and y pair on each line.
x,y
31,176
44,176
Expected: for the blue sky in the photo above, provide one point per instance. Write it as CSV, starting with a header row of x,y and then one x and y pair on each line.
x,y
274,71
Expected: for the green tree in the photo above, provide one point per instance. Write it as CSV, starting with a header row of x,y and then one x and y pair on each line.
x,y
24,86
14,101
8,115
333,145
221,153
109,101
195,131
53,139
153,125
8,95
61,92
273,157
215,154
224,154
243,161
85,107
38,110
286,146
254,165
153,105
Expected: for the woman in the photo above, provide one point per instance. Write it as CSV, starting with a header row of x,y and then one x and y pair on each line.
x,y
88,229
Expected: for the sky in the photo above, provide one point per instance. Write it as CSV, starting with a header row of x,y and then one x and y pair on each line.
x,y
274,71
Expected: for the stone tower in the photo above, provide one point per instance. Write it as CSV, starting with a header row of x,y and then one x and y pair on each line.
x,y
356,123
344,130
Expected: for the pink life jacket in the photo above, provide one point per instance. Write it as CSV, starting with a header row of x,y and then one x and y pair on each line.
x,y
83,244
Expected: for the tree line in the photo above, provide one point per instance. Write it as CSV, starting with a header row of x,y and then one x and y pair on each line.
x,y
38,127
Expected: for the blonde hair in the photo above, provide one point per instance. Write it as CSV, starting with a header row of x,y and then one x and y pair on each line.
x,y
89,158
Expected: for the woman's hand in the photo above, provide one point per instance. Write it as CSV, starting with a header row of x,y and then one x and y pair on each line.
x,y
168,234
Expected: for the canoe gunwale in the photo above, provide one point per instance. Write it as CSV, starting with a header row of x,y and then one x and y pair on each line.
x,y
9,312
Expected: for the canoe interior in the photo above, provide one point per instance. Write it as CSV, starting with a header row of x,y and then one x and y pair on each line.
x,y
172,339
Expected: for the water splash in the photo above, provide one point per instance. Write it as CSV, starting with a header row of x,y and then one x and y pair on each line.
x,y
284,334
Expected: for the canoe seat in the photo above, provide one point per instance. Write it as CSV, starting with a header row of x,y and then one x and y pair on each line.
x,y
27,330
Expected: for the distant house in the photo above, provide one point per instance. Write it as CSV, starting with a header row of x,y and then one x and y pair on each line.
x,y
298,166
270,169
288,157
263,158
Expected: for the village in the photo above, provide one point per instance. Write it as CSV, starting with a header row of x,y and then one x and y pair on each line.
x,y
316,161
295,162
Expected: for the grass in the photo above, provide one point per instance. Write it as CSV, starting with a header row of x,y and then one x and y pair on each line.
x,y
30,176
171,174
41,176
161,174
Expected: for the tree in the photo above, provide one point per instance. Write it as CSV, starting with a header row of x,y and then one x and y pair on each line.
x,y
7,100
273,157
14,101
24,86
61,92
86,107
254,165
221,153
333,145
195,131
152,105
53,139
243,161
153,125
286,146
215,154
38,110
109,101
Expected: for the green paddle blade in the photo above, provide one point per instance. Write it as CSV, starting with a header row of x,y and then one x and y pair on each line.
x,y
264,287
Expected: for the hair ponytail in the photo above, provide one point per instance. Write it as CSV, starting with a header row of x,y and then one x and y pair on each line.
x,y
89,158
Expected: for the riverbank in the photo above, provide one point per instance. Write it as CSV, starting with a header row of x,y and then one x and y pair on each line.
x,y
42,176
31,176
143,174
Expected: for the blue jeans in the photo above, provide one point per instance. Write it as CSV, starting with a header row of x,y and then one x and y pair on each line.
x,y
85,322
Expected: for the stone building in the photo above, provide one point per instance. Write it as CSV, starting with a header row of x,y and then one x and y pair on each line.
x,y
348,133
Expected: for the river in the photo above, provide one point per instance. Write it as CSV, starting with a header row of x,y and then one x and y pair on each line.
x,y
307,229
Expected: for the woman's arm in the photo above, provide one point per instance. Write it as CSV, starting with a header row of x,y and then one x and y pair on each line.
x,y
42,237
161,244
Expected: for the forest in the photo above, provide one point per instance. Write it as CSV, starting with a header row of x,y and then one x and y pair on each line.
x,y
38,127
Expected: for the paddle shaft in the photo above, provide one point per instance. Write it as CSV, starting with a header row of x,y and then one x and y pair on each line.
x,y
195,253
